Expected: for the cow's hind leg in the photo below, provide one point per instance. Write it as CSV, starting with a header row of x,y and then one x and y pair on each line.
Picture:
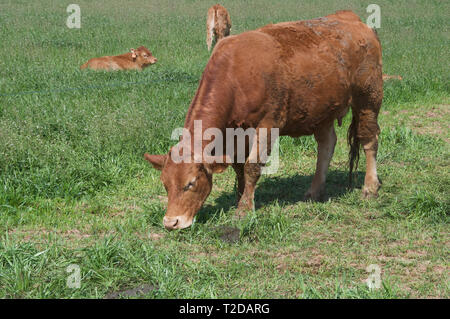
x,y
364,130
368,131
326,141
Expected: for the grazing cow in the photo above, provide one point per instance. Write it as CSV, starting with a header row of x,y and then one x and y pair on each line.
x,y
218,25
298,77
392,77
133,60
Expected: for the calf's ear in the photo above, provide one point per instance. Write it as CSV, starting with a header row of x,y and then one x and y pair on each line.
x,y
157,161
133,53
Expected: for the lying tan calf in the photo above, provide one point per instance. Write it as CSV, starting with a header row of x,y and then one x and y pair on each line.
x,y
133,60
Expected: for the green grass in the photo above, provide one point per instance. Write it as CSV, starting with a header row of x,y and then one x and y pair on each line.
x,y
74,188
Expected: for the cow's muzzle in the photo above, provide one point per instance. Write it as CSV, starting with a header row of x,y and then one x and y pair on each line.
x,y
177,222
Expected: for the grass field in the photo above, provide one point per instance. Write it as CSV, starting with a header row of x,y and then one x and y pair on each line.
x,y
74,188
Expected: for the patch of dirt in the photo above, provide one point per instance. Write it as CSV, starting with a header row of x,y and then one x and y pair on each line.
x,y
441,270
229,234
156,236
211,256
373,215
121,211
75,233
416,253
424,123
294,260
134,292
315,261
151,236
401,260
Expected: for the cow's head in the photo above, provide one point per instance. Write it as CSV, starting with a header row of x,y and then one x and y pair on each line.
x,y
143,56
187,185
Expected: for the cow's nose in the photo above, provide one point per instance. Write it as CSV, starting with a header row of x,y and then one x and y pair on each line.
x,y
170,223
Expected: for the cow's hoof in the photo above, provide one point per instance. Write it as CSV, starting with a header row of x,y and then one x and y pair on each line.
x,y
368,193
370,189
313,197
240,213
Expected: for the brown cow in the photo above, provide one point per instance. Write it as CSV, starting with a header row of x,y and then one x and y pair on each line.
x,y
218,25
133,60
392,77
298,77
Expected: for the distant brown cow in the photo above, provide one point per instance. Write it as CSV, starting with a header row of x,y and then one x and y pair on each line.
x,y
392,77
298,77
218,24
133,60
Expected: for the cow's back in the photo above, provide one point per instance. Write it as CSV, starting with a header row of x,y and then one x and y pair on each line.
x,y
342,32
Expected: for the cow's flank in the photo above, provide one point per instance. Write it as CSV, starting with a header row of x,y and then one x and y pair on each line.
x,y
298,77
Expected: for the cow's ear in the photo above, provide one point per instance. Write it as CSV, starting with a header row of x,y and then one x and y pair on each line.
x,y
157,161
133,53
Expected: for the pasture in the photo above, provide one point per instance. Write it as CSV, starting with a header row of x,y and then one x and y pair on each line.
x,y
74,188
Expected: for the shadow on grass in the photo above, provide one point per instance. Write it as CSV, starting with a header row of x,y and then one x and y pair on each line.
x,y
284,190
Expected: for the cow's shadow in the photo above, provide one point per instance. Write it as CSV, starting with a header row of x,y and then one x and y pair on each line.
x,y
285,191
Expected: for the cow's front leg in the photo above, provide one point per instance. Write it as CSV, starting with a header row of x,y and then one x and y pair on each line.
x,y
259,153
239,170
326,141
252,172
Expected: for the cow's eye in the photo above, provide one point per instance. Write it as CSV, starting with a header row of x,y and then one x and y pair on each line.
x,y
189,185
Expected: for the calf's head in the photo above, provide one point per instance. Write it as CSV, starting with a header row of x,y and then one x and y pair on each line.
x,y
143,56
187,185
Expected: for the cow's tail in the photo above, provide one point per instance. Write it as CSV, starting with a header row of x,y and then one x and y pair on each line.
x,y
354,143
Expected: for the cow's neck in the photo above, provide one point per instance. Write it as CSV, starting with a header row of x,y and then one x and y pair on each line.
x,y
200,119
207,119
204,108
212,101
